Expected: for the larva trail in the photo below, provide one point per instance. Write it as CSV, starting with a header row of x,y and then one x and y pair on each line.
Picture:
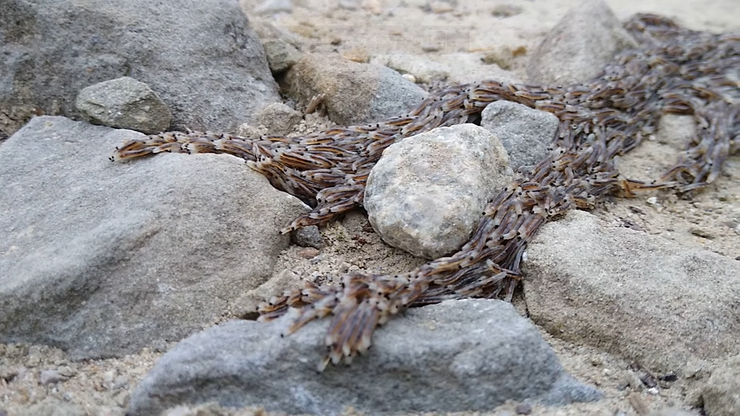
x,y
674,70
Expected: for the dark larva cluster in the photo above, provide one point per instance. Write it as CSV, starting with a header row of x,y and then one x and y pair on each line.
x,y
674,71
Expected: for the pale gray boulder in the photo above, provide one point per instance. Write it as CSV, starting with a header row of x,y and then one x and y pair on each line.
x,y
354,93
579,46
124,103
463,355
200,56
635,295
526,133
102,258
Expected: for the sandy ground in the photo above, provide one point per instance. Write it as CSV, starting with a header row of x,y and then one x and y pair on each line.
x,y
710,219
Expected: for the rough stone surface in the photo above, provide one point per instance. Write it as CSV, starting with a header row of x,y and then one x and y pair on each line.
x,y
354,93
426,194
525,133
278,118
632,294
104,258
200,56
124,103
282,48
721,394
422,68
579,46
455,356
246,305
281,55
471,67
308,237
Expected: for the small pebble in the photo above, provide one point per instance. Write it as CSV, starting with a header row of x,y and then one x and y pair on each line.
x,y
653,390
50,377
409,77
8,373
670,377
430,47
308,237
635,383
248,131
308,252
652,200
359,55
506,10
699,232
523,409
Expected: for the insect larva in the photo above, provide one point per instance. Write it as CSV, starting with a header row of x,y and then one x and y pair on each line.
x,y
599,121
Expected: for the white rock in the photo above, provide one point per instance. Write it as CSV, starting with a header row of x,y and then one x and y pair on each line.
x,y
426,194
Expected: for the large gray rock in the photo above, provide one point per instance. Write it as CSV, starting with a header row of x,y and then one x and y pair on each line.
x,y
639,296
124,103
579,46
354,93
525,133
200,56
422,68
455,356
426,193
281,46
721,393
278,118
104,258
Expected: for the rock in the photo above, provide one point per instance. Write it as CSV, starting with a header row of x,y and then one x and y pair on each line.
x,y
308,237
454,356
124,103
643,297
426,194
278,118
246,306
721,393
51,377
281,47
504,56
579,45
248,131
358,54
308,252
525,133
409,78
423,69
102,259
355,93
200,56
281,55
431,47
471,68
